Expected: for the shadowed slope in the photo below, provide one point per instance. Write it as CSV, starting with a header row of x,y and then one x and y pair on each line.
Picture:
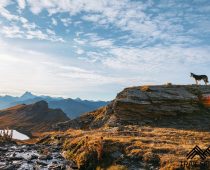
x,y
31,118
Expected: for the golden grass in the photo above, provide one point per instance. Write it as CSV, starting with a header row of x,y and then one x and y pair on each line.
x,y
116,167
171,145
144,88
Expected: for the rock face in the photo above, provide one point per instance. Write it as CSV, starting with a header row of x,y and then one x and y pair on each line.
x,y
154,105
155,101
31,118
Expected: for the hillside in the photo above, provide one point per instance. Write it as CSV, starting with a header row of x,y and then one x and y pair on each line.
x,y
35,117
146,127
179,106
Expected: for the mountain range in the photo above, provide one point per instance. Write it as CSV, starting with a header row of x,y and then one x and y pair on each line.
x,y
72,107
37,117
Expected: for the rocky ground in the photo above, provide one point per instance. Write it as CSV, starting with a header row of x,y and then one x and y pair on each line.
x,y
36,156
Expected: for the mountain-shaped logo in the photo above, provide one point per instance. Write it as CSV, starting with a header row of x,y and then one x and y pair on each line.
x,y
198,151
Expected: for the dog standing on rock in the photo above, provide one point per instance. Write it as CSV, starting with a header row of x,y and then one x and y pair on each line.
x,y
199,78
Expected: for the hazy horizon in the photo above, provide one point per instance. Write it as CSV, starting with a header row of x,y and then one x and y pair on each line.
x,y
94,49
48,95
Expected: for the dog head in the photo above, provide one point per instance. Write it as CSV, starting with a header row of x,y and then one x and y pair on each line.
x,y
191,74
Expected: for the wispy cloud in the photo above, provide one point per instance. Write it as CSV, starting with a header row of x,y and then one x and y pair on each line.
x,y
21,4
48,73
66,21
20,27
109,44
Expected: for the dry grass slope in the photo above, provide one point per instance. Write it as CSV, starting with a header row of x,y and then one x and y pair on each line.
x,y
129,147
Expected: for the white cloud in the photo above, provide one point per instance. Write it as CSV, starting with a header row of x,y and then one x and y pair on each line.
x,y
21,28
15,31
50,35
21,4
51,32
66,21
36,6
155,58
4,3
80,51
96,41
6,14
130,40
29,26
78,33
12,32
80,41
92,18
137,17
45,74
37,33
105,43
54,21
125,15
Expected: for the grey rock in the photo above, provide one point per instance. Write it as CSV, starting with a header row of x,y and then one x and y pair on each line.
x,y
45,157
3,149
116,154
41,163
33,157
8,167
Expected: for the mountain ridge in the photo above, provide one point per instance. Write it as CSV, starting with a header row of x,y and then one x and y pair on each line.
x,y
37,117
72,107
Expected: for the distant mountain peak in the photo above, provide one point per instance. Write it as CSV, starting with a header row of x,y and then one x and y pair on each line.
x,y
78,99
27,95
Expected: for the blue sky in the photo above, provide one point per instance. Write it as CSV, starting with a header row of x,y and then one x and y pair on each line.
x,y
94,48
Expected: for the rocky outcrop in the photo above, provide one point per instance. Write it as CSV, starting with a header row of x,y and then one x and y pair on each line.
x,y
149,105
31,118
155,101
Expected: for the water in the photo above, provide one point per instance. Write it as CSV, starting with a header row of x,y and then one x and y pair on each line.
x,y
18,135
30,157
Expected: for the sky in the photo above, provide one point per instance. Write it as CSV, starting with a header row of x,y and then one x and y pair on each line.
x,y
93,49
